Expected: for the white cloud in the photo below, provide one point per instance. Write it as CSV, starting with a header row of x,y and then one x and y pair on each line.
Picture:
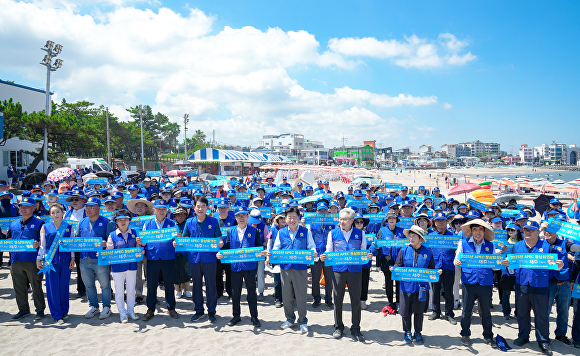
x,y
233,80
447,106
413,52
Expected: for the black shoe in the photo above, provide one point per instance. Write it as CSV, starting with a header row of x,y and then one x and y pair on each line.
x,y
337,334
491,342
564,339
212,318
521,341
357,336
316,304
546,350
234,321
434,316
466,341
21,314
451,320
138,300
507,317
256,322
577,344
330,305
278,304
80,294
197,317
39,315
157,302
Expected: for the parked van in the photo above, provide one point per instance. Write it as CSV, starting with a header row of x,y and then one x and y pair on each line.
x,y
97,164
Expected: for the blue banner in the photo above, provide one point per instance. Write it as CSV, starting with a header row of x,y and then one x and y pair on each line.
x,y
500,234
405,223
137,222
576,291
74,224
437,200
24,245
359,204
509,213
441,241
157,235
197,244
81,244
97,180
154,174
533,260
192,173
370,239
305,257
392,185
419,198
183,189
327,196
225,229
412,274
474,260
266,212
120,255
564,229
321,219
5,222
243,196
196,185
375,218
346,258
392,243
46,218
477,204
521,206
108,214
243,255
283,187
49,256
501,243
217,183
275,202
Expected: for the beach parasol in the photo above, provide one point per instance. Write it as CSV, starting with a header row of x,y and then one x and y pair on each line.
x,y
312,198
175,173
542,203
505,198
183,163
207,176
32,179
464,188
105,174
368,180
60,174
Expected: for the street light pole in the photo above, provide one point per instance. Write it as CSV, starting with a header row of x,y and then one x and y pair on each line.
x,y
142,150
108,140
185,122
51,52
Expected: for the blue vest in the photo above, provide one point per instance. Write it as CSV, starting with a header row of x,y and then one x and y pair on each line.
x,y
481,276
354,244
320,236
209,226
533,277
50,234
443,256
248,240
560,248
160,250
425,255
99,230
300,243
298,194
119,242
386,234
30,231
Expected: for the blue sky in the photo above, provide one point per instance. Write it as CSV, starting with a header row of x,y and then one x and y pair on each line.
x,y
515,79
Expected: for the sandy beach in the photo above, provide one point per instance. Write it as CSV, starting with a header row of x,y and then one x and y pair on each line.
x,y
163,335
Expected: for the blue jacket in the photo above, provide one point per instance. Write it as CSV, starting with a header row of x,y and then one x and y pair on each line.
x,y
248,241
320,236
481,276
423,259
354,244
300,242
386,234
119,242
160,250
528,276
443,256
99,230
210,227
559,247
30,231
50,234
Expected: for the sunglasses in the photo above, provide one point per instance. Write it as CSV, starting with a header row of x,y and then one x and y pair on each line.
x,y
74,199
359,222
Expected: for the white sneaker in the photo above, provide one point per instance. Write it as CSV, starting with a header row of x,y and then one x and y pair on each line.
x,y
92,312
187,294
105,313
133,316
124,319
363,305
304,329
285,325
178,294
60,322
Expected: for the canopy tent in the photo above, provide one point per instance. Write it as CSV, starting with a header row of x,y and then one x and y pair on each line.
x,y
226,156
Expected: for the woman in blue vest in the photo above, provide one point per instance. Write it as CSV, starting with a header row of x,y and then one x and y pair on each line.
x,y
414,295
227,221
508,276
320,235
389,255
279,222
243,236
57,281
477,282
160,261
124,274
294,276
362,223
181,277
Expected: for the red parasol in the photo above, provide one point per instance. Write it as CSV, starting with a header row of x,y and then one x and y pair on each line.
x,y
464,188
175,173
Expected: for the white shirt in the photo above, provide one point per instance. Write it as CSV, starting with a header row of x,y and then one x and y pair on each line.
x,y
346,234
78,215
241,233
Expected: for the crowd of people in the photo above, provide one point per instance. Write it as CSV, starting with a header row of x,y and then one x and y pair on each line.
x,y
255,212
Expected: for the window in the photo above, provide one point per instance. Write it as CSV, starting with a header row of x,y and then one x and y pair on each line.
x,y
15,158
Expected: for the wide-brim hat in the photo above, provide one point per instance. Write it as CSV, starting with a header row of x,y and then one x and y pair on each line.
x,y
416,229
466,228
133,202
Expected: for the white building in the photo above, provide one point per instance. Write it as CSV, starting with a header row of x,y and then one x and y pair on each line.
x,y
526,154
31,100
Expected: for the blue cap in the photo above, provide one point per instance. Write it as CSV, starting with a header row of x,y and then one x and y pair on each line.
x,y
553,211
326,182
121,217
404,188
561,217
93,193
319,182
241,210
308,188
496,219
198,193
496,205
37,186
357,193
36,197
393,203
53,192
299,184
49,182
436,189
166,190
514,227
438,208
350,188
285,192
421,187
427,198
133,187
406,203
321,205
374,205
473,214
339,195
231,192
462,206
490,210
28,201
389,197
2,184
117,195
110,199
160,203
93,201
555,201
531,225
185,203
450,200
522,215
223,202
334,203
440,216
293,203
284,178
374,195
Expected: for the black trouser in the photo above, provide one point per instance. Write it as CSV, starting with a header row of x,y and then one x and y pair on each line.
x,y
339,282
80,285
539,303
277,287
389,286
316,270
472,292
447,278
249,277
366,276
155,269
411,306
219,278
23,273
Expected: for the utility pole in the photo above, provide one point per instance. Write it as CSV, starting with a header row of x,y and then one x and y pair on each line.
x,y
343,152
108,140
185,122
213,140
142,149
271,146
